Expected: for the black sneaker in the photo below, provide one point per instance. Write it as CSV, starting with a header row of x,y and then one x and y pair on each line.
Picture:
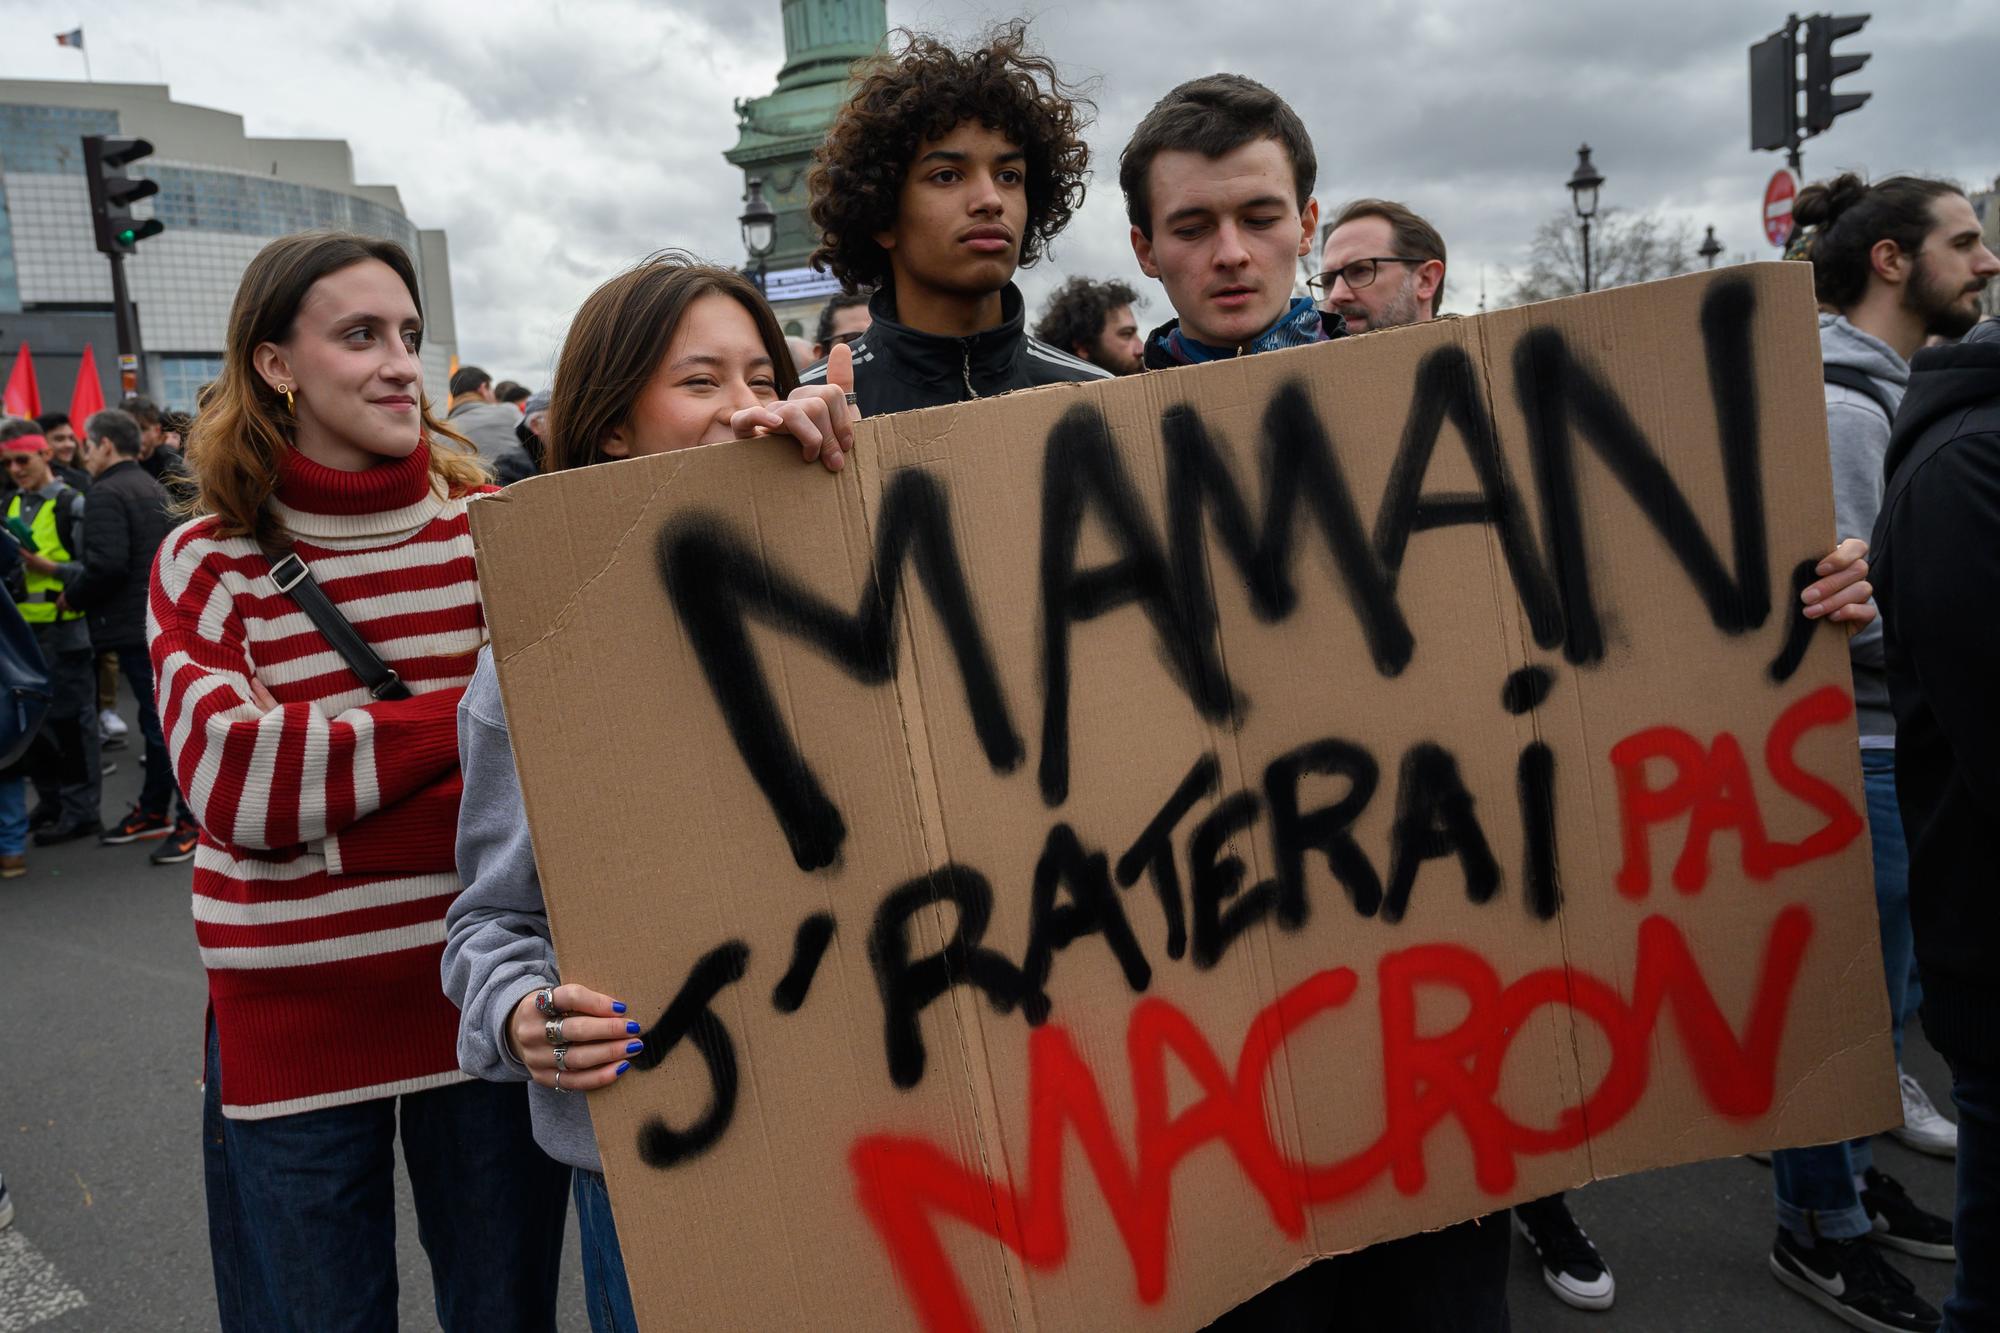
x,y
1571,1266
1900,1224
67,830
137,826
179,846
1854,1283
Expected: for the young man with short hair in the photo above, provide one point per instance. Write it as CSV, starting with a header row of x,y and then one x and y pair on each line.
x,y
61,435
482,418
1382,267
997,169
1218,188
1094,320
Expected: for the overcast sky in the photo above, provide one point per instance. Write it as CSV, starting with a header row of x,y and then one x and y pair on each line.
x,y
558,140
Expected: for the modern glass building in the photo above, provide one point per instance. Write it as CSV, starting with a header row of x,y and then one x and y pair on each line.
x,y
223,196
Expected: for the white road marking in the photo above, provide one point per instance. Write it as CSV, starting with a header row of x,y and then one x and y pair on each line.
x,y
31,1291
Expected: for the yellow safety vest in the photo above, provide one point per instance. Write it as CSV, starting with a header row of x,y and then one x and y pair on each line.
x,y
39,606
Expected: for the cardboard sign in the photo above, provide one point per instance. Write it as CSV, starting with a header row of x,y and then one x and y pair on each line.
x,y
1113,844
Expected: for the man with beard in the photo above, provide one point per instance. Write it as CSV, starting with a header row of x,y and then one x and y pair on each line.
x,y
1382,267
1095,321
1893,263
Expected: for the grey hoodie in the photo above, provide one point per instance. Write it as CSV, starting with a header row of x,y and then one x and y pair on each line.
x,y
496,935
1858,434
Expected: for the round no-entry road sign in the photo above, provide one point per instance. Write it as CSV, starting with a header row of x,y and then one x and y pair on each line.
x,y
1778,196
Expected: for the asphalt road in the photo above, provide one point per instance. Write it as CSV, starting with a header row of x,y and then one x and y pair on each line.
x,y
100,1111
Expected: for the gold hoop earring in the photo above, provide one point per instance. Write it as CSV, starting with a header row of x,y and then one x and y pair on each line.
x,y
291,405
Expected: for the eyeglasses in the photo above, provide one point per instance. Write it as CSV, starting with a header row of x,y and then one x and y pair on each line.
x,y
1357,274
839,338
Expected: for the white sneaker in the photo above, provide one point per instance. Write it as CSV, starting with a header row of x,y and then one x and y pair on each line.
x,y
110,726
1923,1127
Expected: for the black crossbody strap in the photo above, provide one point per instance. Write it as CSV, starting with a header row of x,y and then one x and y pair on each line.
x,y
296,581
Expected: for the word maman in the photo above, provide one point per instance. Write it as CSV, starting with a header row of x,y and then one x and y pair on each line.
x,y
906,1185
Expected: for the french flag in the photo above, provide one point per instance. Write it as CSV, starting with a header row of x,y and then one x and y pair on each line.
x,y
74,37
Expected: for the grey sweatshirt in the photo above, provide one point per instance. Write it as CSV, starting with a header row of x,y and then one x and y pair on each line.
x,y
1858,434
496,935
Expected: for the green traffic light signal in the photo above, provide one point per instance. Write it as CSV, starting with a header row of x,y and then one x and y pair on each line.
x,y
127,236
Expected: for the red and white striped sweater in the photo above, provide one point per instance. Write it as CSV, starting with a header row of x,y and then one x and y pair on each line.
x,y
325,865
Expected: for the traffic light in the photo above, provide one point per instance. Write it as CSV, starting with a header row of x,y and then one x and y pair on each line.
x,y
1773,103
112,193
1823,67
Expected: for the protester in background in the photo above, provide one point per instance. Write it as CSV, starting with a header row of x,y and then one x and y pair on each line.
x,y
1382,267
61,435
510,394
45,518
945,172
162,461
842,319
1095,321
13,779
532,431
1892,263
669,355
478,416
1937,568
125,518
802,353
328,812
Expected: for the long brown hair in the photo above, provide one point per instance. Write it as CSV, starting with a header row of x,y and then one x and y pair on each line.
x,y
244,427
622,333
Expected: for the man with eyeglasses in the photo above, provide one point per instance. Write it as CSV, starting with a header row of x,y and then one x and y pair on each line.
x,y
844,318
1382,267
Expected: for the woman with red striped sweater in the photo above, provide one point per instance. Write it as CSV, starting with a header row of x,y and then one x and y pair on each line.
x,y
328,814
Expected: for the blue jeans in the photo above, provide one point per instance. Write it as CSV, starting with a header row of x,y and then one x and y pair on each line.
x,y
1815,1186
605,1294
13,816
160,790
1974,1304
302,1211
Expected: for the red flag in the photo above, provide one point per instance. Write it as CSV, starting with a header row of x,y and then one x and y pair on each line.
x,y
23,397
88,396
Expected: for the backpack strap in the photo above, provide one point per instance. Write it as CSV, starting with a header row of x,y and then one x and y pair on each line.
x,y
1849,377
296,581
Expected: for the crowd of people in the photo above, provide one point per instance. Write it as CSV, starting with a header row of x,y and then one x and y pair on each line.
x,y
336,760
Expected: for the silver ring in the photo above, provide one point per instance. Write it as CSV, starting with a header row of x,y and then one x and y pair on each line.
x,y
562,1054
559,1086
552,1029
545,1002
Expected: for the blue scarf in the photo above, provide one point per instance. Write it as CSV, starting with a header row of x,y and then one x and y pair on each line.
x,y
1298,326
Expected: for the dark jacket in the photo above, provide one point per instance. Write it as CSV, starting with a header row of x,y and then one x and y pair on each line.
x,y
1936,570
1156,357
124,521
898,369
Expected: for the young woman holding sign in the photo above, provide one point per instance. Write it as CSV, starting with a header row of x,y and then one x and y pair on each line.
x,y
670,355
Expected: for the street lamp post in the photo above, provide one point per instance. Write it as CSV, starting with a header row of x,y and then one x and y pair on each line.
x,y
760,227
1710,247
1583,187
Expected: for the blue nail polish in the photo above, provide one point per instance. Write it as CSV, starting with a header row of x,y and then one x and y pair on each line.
x,y
618,1006
622,1068
632,1027
635,1047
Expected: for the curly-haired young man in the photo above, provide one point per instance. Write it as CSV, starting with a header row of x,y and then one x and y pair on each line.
x,y
945,172
1094,320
